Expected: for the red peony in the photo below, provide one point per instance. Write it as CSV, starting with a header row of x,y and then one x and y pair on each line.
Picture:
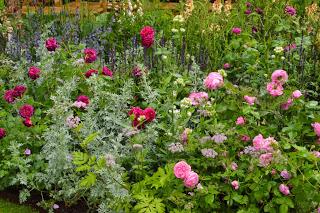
x,y
2,133
51,44
19,90
84,99
106,71
9,96
91,72
26,111
150,114
34,73
27,122
90,55
147,36
136,111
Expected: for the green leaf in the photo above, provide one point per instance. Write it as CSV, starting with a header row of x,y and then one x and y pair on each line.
x,y
79,158
89,180
83,168
283,208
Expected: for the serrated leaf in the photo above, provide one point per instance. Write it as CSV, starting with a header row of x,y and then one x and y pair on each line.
x,y
89,139
89,180
83,168
79,158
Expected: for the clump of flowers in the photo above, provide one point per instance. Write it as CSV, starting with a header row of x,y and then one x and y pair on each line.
x,y
81,102
235,185
140,117
17,92
147,36
198,98
107,72
90,55
219,138
275,87
175,147
182,170
91,72
213,81
250,99
51,44
284,189
34,73
72,122
209,153
290,10
2,133
240,121
26,112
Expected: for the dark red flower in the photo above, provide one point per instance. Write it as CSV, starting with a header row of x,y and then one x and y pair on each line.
x,y
90,55
27,122
136,111
51,44
26,111
147,36
83,99
137,72
2,133
9,96
34,73
91,72
150,114
19,90
106,71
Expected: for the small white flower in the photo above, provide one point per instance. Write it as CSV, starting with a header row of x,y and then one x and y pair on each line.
x,y
273,56
278,49
282,58
174,93
189,114
164,57
182,30
174,30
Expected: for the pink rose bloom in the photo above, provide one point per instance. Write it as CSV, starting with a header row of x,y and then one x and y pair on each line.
x,y
235,185
258,142
147,36
19,90
286,105
82,102
2,133
26,111
51,44
90,55
106,71
240,120
236,30
226,66
316,128
90,73
9,96
213,81
198,97
279,76
284,189
290,11
34,73
296,94
265,159
27,122
274,89
191,180
234,166
285,175
316,154
250,99
181,170
245,138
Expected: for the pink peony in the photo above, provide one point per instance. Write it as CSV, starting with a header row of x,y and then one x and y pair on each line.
x,y
150,114
296,94
245,138
181,170
9,96
265,159
290,10
191,179
236,30
147,36
316,128
284,189
83,99
285,175
235,185
90,55
240,120
213,81
19,90
27,122
198,97
106,71
51,44
26,111
250,99
34,73
90,73
2,133
286,105
274,89
279,77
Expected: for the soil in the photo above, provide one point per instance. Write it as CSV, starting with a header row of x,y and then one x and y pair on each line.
x,y
12,195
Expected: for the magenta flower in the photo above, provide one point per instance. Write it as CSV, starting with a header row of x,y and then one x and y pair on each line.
x,y
34,73
296,94
245,138
226,66
198,98
234,166
106,71
290,47
286,105
290,10
9,96
147,36
181,170
19,90
284,189
191,180
240,121
213,81
250,99
90,73
2,133
259,11
316,128
279,77
90,55
248,12
274,89
248,4
51,44
137,72
236,30
26,111
235,184
27,122
285,175
27,152
259,143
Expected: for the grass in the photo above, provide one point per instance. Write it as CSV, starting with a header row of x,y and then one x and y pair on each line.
x,y
7,207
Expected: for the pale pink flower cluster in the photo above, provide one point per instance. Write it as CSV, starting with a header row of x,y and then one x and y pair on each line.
x,y
182,170
295,95
240,121
175,147
219,138
72,122
213,81
209,153
284,189
278,78
316,154
250,99
285,175
235,185
261,144
234,166
198,98
79,104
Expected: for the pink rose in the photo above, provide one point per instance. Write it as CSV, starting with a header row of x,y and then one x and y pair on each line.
x,y
316,128
245,138
106,71
9,96
286,105
240,120
250,99
51,44
235,185
279,76
213,81
290,11
147,36
191,180
34,73
90,73
198,97
234,166
90,55
274,89
265,159
236,30
284,189
296,94
26,111
181,170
